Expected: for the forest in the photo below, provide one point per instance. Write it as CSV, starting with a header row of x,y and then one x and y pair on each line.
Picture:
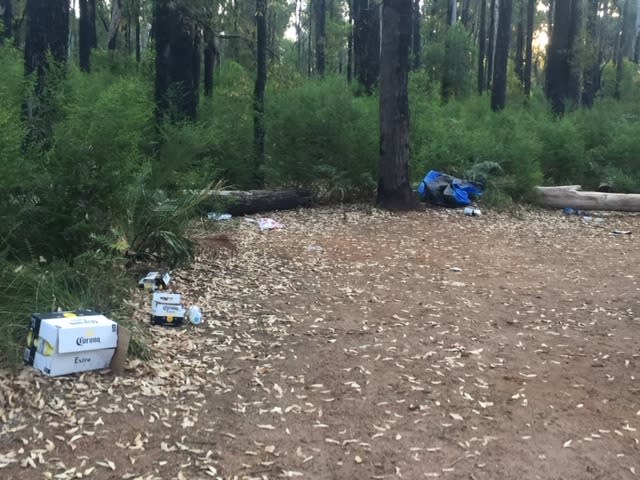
x,y
117,117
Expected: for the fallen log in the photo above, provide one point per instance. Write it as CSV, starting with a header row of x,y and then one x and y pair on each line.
x,y
571,196
238,202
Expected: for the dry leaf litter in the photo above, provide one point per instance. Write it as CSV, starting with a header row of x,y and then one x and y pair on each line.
x,y
360,344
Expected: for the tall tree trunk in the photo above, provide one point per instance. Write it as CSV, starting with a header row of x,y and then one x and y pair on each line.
x,y
366,43
464,15
528,58
620,49
593,55
138,39
636,41
558,57
210,60
299,34
258,93
394,190
114,25
491,49
176,86
519,56
47,32
7,20
320,11
482,46
85,35
499,87
350,45
575,55
416,43
452,12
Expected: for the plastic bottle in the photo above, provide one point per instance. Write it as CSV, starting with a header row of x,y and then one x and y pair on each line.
x,y
195,315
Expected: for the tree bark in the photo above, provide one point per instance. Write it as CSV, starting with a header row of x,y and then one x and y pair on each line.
x,y
47,30
257,201
350,44
452,12
416,38
492,42
176,85
86,33
258,93
620,47
482,46
320,11
572,197
138,39
558,57
519,54
499,87
114,25
366,43
593,55
528,58
7,20
394,190
464,15
575,57
210,61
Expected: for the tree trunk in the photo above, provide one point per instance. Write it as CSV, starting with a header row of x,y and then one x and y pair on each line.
x,y
320,11
210,61
394,191
47,30
528,58
482,46
519,56
493,13
620,47
636,42
7,19
558,58
572,197
416,43
257,201
176,85
452,12
575,55
464,15
366,43
350,45
299,35
258,93
138,39
85,35
593,55
114,25
499,87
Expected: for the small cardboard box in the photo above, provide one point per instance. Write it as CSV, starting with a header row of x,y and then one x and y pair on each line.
x,y
76,334
167,309
66,363
34,329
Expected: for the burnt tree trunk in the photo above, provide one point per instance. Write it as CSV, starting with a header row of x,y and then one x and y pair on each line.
x,y
528,57
87,33
366,43
558,59
416,39
394,190
47,30
350,44
482,47
176,85
138,39
499,86
319,14
210,61
258,92
7,20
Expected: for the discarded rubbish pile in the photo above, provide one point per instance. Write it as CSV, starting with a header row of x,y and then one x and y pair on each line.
x,y
166,306
60,343
444,190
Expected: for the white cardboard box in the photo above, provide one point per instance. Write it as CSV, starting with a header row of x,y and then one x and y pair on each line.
x,y
77,334
65,363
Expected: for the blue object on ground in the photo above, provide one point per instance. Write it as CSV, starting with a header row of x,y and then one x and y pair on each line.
x,y
442,189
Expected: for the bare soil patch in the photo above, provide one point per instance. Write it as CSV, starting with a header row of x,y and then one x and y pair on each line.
x,y
360,344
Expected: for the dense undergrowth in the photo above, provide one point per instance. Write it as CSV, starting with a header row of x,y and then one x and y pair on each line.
x,y
108,185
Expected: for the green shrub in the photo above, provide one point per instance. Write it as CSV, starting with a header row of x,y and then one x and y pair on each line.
x,y
320,135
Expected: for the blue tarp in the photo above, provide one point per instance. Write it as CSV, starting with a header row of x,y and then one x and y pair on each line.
x,y
442,189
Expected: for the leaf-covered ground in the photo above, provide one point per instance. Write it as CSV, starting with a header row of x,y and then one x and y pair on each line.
x,y
359,344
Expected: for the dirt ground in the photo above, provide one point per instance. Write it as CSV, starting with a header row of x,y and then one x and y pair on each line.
x,y
357,344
